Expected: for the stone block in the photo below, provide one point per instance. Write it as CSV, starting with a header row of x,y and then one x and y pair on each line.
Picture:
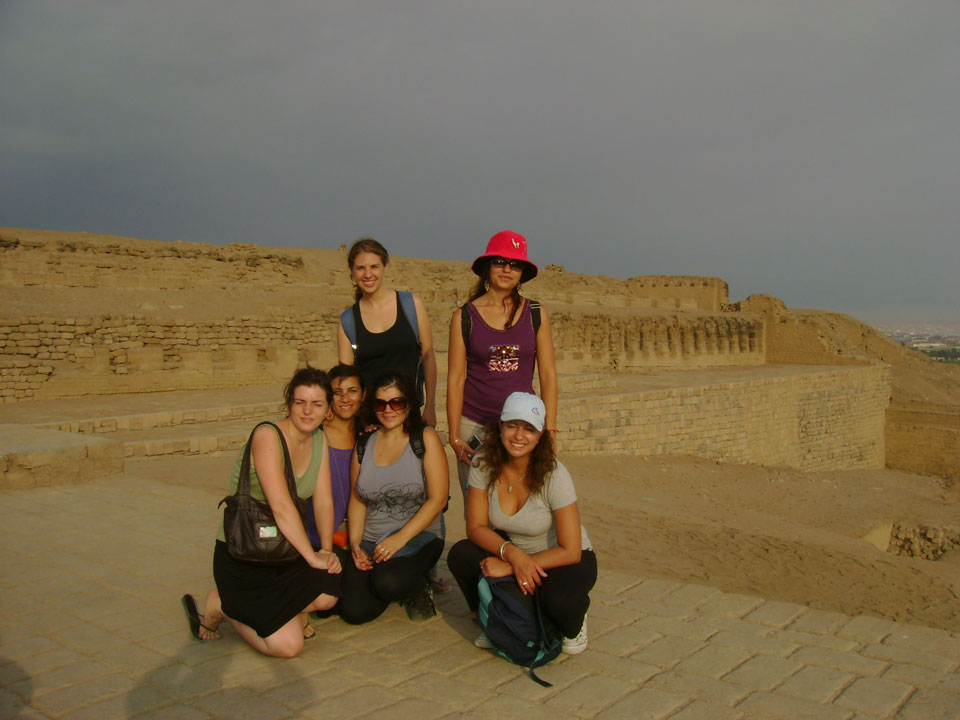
x,y
197,361
874,696
622,641
714,661
698,686
282,361
815,683
926,704
783,707
777,614
763,672
642,704
754,643
818,621
588,696
700,710
848,662
924,677
667,651
144,359
239,359
866,629
904,656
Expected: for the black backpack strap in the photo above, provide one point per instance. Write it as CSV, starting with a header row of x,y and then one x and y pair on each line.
x,y
362,446
535,315
416,442
545,642
465,323
420,449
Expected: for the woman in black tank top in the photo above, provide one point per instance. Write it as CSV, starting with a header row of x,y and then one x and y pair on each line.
x,y
384,337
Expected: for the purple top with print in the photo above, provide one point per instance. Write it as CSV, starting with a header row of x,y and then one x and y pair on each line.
x,y
499,362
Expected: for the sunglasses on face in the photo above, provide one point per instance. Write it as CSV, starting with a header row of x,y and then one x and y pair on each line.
x,y
499,262
397,404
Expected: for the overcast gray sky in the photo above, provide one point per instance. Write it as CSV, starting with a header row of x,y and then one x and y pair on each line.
x,y
809,149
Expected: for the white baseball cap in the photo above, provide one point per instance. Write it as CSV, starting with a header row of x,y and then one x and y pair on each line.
x,y
526,407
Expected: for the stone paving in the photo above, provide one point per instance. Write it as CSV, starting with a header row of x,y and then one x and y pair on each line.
x,y
91,627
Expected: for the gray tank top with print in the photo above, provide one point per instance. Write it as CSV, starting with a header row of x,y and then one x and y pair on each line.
x,y
393,493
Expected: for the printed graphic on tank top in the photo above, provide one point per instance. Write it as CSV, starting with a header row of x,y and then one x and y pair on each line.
x,y
504,358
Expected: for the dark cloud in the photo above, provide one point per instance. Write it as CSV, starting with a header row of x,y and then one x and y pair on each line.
x,y
809,150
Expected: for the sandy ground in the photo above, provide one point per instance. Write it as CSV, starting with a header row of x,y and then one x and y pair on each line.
x,y
776,533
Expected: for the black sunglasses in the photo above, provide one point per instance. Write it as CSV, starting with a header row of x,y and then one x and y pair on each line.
x,y
503,262
397,404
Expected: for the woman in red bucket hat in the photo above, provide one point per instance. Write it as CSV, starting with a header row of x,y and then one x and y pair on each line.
x,y
496,338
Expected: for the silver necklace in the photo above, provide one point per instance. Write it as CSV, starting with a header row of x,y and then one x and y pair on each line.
x,y
510,485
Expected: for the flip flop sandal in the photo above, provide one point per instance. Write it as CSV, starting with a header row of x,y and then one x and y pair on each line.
x,y
193,617
308,632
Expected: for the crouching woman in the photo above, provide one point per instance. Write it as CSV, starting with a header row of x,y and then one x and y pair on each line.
x,y
523,521
267,605
394,519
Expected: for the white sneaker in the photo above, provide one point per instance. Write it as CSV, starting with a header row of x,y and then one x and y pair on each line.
x,y
574,645
483,641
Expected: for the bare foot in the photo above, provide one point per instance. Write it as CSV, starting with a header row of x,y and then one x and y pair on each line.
x,y
212,617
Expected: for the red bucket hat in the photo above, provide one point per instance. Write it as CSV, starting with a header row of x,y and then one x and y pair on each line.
x,y
512,246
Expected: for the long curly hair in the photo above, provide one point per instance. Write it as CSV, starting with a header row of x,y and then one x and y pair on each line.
x,y
368,245
481,287
494,458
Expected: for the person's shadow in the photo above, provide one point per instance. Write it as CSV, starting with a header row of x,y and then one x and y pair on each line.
x,y
201,674
16,689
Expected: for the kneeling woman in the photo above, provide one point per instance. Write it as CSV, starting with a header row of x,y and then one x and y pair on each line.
x,y
523,521
267,604
394,518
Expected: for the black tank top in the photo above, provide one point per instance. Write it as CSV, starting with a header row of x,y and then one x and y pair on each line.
x,y
396,348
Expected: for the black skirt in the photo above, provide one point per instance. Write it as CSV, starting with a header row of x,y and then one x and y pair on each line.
x,y
267,597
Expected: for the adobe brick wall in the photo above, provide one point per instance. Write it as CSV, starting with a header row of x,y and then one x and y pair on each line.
x,y
47,357
132,315
815,420
928,449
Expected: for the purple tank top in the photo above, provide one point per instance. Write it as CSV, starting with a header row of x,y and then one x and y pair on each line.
x,y
340,484
499,362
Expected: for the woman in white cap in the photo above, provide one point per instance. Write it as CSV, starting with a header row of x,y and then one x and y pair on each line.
x,y
523,521
495,340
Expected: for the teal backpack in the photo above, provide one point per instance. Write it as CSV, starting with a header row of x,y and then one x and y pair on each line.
x,y
515,626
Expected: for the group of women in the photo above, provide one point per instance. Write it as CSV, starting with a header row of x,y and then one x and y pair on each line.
x,y
361,447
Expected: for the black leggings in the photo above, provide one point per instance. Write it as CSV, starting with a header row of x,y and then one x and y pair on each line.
x,y
564,592
365,594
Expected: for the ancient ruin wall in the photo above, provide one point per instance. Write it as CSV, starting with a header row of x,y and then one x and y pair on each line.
x,y
706,293
824,420
44,357
90,314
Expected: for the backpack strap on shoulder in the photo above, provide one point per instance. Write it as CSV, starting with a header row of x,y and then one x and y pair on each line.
x,y
348,320
465,324
535,315
416,443
409,309
362,446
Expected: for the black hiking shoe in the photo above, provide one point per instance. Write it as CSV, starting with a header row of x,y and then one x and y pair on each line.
x,y
419,606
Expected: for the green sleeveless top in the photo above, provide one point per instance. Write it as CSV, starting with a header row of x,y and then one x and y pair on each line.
x,y
306,483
